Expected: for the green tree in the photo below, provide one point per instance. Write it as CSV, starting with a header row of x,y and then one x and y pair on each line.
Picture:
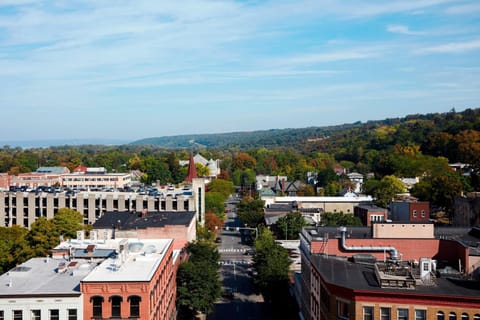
x,y
198,282
337,219
202,171
14,248
441,190
225,187
272,263
290,225
154,170
250,211
42,237
67,222
384,190
215,202
325,176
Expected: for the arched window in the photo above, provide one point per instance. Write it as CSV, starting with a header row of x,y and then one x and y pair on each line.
x,y
134,306
452,316
476,316
464,316
97,302
440,315
116,305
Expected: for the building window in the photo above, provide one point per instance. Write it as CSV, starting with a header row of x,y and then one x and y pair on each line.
x,y
2,315
402,314
342,309
324,297
420,314
440,315
97,302
72,314
134,306
36,315
452,316
464,316
116,305
385,313
423,213
476,316
54,314
17,314
414,213
367,313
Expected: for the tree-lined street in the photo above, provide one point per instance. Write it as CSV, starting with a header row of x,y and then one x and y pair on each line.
x,y
235,272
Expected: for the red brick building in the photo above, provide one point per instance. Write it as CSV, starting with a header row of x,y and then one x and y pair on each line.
x,y
369,213
351,273
413,211
138,283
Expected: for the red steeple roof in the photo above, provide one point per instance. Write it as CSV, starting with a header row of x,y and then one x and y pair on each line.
x,y
192,171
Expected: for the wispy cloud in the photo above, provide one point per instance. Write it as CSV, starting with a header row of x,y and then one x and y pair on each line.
x,y
472,8
203,54
453,47
402,29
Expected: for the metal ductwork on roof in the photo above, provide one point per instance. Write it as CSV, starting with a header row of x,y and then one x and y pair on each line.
x,y
391,250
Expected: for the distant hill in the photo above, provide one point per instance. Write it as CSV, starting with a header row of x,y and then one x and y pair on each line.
x,y
44,143
417,129
245,140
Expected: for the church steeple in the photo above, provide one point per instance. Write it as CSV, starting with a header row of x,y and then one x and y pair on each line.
x,y
192,171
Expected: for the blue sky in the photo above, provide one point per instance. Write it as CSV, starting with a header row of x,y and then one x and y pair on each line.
x,y
135,69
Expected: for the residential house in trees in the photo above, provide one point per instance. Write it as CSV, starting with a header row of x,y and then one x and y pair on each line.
x,y
212,165
357,180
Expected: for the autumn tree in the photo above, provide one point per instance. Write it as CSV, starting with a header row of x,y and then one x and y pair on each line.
x,y
202,171
243,161
213,222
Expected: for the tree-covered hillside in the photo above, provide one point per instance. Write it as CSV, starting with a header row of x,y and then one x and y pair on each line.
x,y
246,140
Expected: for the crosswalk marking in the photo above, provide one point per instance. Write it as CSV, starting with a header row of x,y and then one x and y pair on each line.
x,y
232,262
232,250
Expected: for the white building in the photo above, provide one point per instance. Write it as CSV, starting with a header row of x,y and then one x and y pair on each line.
x,y
40,289
212,165
318,205
357,180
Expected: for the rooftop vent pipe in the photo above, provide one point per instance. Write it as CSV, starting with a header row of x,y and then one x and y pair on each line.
x,y
393,252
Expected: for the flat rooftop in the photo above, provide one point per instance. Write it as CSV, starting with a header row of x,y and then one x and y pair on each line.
x,y
135,220
138,261
42,276
356,276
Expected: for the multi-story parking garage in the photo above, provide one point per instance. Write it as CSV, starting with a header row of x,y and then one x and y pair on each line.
x,y
23,208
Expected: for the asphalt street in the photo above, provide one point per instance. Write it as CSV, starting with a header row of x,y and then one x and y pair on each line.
x,y
245,303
